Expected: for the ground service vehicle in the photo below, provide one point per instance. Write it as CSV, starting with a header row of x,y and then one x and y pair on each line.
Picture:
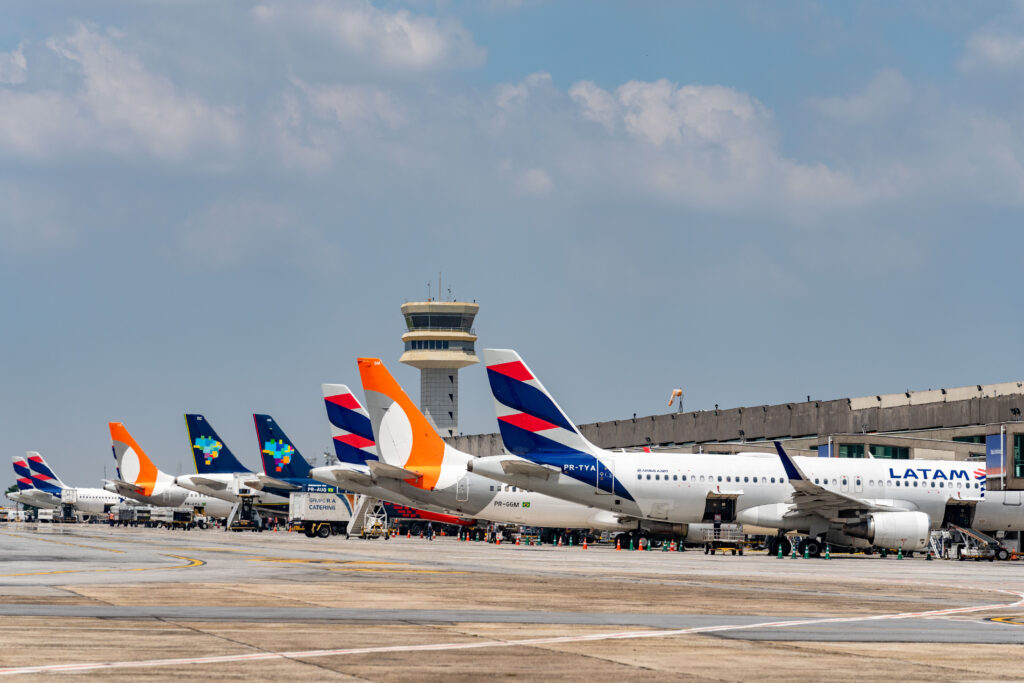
x,y
317,514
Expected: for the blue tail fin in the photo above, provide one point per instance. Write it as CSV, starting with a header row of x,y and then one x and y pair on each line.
x,y
211,454
351,431
280,457
43,477
22,473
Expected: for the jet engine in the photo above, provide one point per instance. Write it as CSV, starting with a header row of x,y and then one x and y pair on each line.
x,y
907,530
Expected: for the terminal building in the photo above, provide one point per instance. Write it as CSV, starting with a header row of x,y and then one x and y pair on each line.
x,y
440,340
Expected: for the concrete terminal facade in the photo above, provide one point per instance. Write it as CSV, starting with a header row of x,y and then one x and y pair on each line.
x,y
936,424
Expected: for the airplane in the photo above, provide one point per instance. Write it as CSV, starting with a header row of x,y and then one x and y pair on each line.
x,y
220,474
51,492
840,501
283,461
352,436
143,481
416,463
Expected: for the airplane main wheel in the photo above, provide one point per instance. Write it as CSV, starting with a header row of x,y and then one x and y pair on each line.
x,y
776,542
810,547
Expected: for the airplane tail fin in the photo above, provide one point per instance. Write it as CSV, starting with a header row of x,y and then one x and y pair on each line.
x,y
530,421
210,453
351,430
133,464
280,457
22,473
405,438
43,477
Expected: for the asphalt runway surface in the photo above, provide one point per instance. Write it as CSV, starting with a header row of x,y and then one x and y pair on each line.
x,y
162,604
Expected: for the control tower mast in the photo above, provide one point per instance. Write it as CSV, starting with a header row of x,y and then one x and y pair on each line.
x,y
439,340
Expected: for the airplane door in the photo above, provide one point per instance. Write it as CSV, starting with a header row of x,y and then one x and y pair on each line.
x,y
1011,498
462,489
604,477
844,483
858,484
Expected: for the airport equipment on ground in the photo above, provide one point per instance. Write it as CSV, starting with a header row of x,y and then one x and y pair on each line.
x,y
243,516
970,544
317,514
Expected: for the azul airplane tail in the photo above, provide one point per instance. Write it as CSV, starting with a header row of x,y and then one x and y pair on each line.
x,y
351,430
134,466
531,423
406,441
43,477
211,454
280,457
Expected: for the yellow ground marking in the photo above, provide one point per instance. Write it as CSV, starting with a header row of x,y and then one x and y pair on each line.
x,y
1016,621
383,570
191,562
293,560
77,545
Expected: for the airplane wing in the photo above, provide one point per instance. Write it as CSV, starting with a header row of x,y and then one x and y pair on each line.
x,y
262,481
810,498
527,468
39,498
382,469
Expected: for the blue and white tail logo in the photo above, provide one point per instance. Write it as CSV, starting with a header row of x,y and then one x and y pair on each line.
x,y
209,451
529,419
351,430
43,477
280,457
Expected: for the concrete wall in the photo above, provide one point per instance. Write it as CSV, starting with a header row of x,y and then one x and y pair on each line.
x,y
783,421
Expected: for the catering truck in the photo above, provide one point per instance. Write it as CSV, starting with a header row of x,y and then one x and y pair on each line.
x,y
318,514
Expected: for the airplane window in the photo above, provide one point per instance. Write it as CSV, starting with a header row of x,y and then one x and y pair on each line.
x,y
702,477
815,481
773,480
942,484
675,477
959,485
871,482
915,484
684,477
833,482
648,477
728,478
746,479
639,476
888,482
844,482
719,477
657,476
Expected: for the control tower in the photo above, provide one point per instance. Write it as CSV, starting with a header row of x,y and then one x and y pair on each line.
x,y
440,340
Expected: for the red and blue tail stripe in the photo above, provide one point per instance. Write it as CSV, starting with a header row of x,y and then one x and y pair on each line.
x,y
42,476
351,431
24,476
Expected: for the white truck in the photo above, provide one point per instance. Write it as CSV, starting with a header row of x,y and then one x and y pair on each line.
x,y
318,514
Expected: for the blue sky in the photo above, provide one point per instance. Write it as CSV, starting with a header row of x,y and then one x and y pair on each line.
x,y
215,208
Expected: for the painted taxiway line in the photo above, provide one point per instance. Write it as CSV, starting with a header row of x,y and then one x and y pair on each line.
x,y
190,563
476,645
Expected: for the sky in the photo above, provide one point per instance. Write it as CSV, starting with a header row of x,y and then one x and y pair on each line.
x,y
216,207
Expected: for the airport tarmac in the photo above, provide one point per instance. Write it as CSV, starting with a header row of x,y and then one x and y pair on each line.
x,y
159,604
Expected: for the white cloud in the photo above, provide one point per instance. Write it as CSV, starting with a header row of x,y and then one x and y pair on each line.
x,y
887,94
993,49
535,182
595,103
396,40
353,105
508,94
118,107
13,66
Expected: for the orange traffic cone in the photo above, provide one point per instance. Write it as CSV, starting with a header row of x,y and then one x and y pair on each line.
x,y
618,544
517,540
408,534
559,541
497,539
584,542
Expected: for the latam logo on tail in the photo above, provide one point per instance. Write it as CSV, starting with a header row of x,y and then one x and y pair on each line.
x,y
281,452
209,447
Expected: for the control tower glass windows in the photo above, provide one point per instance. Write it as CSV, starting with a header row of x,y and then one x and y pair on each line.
x,y
438,345
439,321
1018,455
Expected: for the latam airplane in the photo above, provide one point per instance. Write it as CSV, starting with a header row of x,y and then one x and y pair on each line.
x,y
145,482
39,486
843,501
417,464
220,474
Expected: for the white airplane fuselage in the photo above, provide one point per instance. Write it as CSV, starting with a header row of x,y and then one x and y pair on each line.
x,y
675,487
233,483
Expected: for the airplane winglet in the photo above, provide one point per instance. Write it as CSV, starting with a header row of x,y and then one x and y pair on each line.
x,y
792,471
